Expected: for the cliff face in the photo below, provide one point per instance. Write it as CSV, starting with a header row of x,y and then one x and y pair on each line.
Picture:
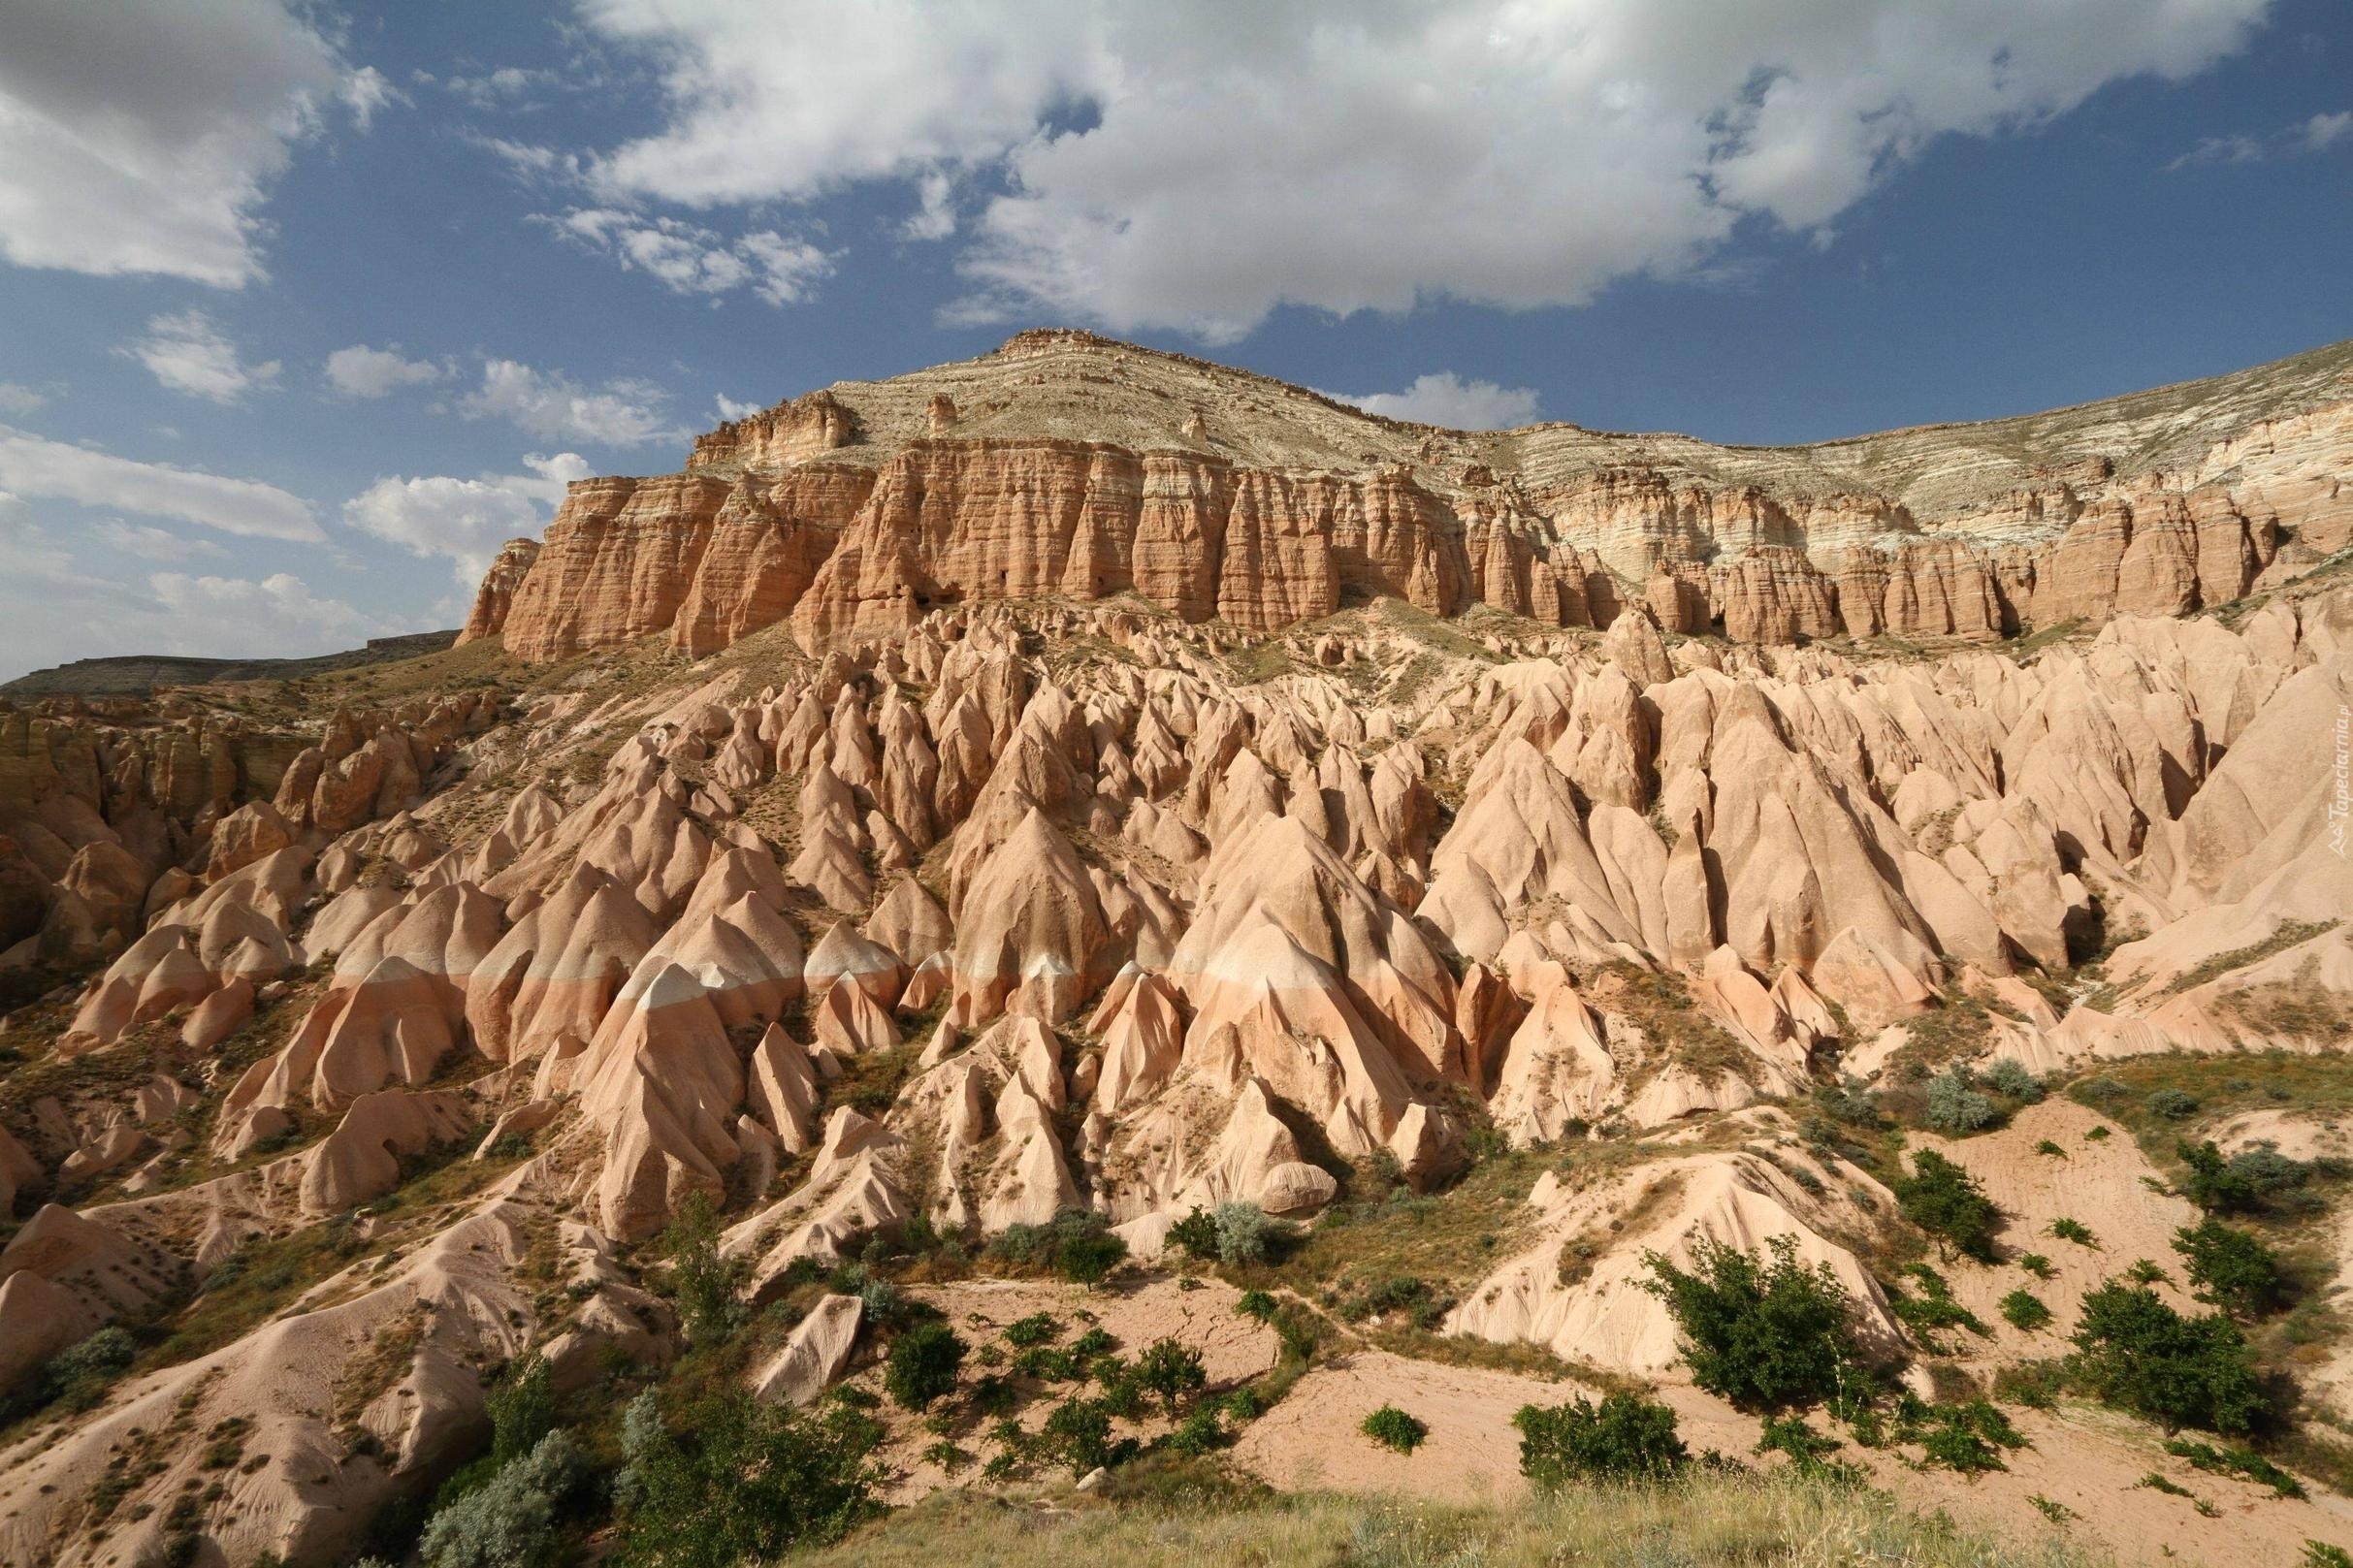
x,y
1071,467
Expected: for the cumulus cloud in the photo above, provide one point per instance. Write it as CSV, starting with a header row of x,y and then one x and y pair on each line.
x,y
466,519
549,405
15,399
689,259
38,469
189,352
1446,399
1160,165
232,610
361,372
142,136
2324,131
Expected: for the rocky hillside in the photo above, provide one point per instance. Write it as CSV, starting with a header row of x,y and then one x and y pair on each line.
x,y
1069,465
1112,864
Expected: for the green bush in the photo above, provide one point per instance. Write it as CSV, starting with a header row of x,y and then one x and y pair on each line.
x,y
2074,1230
1622,1438
1256,1305
2134,1351
2173,1105
1967,1437
1077,1244
1955,1107
1169,1370
923,1364
1393,1429
509,1520
2025,1311
703,1282
2035,1263
1933,1310
522,1408
2258,1177
1079,1432
1809,1450
1766,1333
1201,1432
1243,1233
2009,1076
1944,1199
1038,1329
2230,1269
2235,1461
733,1480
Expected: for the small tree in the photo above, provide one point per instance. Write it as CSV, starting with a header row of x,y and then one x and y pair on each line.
x,y
1763,1334
522,1407
1944,1199
923,1364
1242,1234
2025,1311
701,1281
738,1481
1169,1369
509,1521
2136,1352
1622,1438
2230,1269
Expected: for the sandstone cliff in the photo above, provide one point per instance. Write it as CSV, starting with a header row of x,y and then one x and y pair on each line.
x,y
1071,467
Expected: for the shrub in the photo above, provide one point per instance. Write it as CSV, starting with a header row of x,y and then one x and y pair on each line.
x,y
1167,1369
1195,1235
923,1364
2256,1177
81,1372
1809,1450
1256,1305
1944,1199
509,1521
1201,1432
2235,1461
2025,1311
1933,1310
1955,1107
2230,1269
1242,1230
1080,1433
2173,1105
2051,1150
701,1281
2074,1230
1038,1329
738,1479
2035,1263
1622,1438
1077,1244
2008,1077
2134,1351
1766,1333
1393,1429
1967,1437
522,1408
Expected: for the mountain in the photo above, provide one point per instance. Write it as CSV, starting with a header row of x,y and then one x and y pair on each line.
x,y
1069,465
138,675
1088,910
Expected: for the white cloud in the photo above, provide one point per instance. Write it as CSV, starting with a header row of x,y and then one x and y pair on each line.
x,y
466,519
1198,166
730,409
2324,131
298,619
20,400
689,259
143,543
361,372
53,609
188,352
498,88
550,406
365,91
52,470
1447,400
142,136
2214,151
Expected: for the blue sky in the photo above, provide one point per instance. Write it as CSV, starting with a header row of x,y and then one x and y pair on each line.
x,y
303,308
